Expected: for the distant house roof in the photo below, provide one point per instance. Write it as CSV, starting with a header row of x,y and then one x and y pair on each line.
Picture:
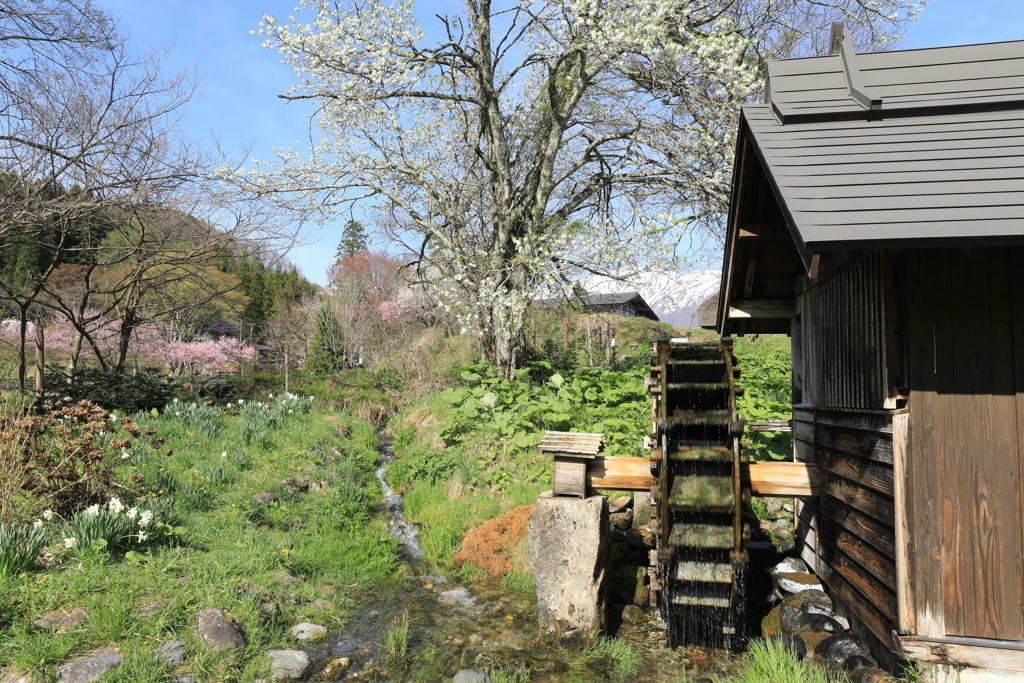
x,y
604,303
895,149
707,312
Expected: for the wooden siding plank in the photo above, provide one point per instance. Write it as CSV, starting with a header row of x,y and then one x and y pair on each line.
x,y
858,471
881,423
936,174
868,529
868,445
925,285
876,622
957,655
833,538
905,587
989,145
963,188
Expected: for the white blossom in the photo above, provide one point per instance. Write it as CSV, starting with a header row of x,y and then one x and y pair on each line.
x,y
131,513
37,523
70,542
92,510
48,514
145,517
115,505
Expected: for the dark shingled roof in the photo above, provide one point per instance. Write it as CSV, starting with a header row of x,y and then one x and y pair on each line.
x,y
707,312
934,155
637,302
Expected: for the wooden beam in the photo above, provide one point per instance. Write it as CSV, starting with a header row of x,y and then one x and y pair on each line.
x,y
750,231
943,651
764,309
787,479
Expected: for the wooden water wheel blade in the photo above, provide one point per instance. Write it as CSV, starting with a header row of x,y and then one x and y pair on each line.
x,y
701,454
698,386
707,572
702,494
702,599
701,536
688,418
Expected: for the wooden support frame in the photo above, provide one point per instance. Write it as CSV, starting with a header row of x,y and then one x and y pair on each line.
x,y
973,652
786,479
764,309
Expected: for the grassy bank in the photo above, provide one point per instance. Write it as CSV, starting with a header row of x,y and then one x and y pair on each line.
x,y
308,551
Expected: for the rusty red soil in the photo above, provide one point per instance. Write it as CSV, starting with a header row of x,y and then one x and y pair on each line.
x,y
491,545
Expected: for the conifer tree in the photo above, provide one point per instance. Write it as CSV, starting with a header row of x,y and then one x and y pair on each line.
x,y
353,239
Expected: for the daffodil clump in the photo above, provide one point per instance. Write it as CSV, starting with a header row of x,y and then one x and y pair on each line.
x,y
102,530
262,418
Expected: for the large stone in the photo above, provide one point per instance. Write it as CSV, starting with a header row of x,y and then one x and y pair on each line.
x,y
771,625
88,670
264,498
794,582
811,639
837,648
62,620
791,564
640,539
643,511
622,520
811,601
288,665
470,676
13,676
218,632
620,504
786,641
870,676
308,631
171,653
568,551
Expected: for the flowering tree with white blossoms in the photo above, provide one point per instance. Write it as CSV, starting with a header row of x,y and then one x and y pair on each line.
x,y
524,142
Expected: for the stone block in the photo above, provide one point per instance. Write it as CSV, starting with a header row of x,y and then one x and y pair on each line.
x,y
568,554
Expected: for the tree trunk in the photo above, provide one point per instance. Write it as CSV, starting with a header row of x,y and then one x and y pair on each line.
x,y
22,360
40,354
76,351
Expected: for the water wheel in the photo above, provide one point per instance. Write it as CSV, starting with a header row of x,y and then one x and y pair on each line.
x,y
695,452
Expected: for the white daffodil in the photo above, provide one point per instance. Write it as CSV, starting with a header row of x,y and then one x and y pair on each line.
x,y
115,505
125,454
38,523
70,542
47,514
132,513
145,517
142,536
93,510
223,454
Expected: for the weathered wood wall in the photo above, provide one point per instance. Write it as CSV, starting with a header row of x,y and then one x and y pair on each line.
x,y
965,521
844,426
848,533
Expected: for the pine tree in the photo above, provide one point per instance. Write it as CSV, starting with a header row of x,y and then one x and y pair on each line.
x,y
327,352
353,239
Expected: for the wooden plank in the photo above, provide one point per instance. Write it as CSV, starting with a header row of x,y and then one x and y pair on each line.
x,y
803,431
832,538
959,655
620,474
786,479
926,283
873,504
871,617
860,471
881,598
866,528
904,541
761,309
879,422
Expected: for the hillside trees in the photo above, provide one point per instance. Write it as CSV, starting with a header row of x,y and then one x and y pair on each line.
x,y
96,173
526,141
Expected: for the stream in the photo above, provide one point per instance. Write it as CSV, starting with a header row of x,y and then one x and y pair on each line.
x,y
479,626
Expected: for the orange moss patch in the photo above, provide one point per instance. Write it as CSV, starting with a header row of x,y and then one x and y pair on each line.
x,y
492,545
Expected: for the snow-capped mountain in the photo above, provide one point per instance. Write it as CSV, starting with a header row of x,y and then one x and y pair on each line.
x,y
673,296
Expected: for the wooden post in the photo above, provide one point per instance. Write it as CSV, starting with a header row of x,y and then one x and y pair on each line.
x,y
590,349
286,372
40,354
608,344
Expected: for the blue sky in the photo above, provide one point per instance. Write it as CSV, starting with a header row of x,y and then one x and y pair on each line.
x,y
240,80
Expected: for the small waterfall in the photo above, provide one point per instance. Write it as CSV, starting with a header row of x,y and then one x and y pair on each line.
x,y
399,527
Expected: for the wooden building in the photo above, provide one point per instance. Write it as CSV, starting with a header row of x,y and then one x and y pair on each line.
x,y
628,304
878,218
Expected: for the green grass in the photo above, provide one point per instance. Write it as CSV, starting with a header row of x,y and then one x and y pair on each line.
x,y
265,564
771,662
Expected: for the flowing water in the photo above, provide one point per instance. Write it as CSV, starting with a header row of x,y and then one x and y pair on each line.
x,y
446,626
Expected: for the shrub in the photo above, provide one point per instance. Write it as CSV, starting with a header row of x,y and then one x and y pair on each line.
x,y
107,388
62,456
